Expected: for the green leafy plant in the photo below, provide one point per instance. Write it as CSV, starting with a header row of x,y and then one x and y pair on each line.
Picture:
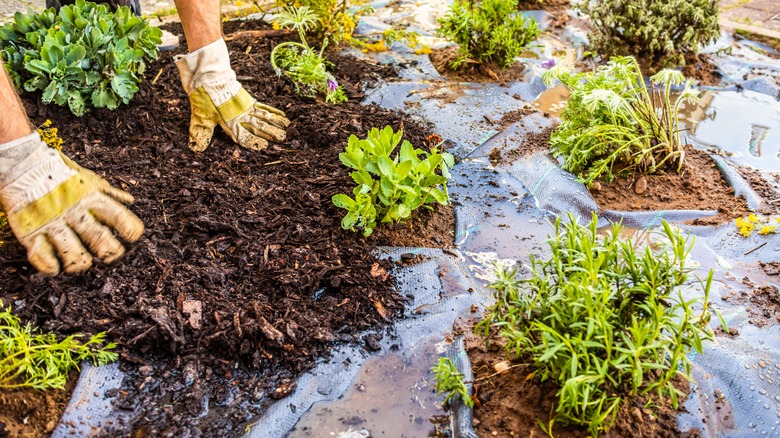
x,y
390,189
489,31
614,122
335,19
86,56
305,67
658,31
29,358
450,381
604,317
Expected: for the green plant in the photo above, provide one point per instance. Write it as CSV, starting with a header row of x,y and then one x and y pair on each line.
x,y
490,31
658,31
613,120
305,67
604,317
391,188
85,56
335,19
32,359
450,381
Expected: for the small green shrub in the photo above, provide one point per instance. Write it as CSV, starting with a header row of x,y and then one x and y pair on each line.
x,y
29,358
489,31
86,56
658,31
305,67
390,189
335,19
450,381
613,121
604,318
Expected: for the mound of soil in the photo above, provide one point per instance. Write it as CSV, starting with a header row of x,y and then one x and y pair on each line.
x,y
244,276
31,412
510,404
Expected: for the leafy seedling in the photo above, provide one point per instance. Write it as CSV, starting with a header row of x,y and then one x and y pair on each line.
x,y
305,67
390,189
450,382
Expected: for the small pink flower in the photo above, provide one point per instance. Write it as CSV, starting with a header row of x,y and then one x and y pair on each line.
x,y
332,84
550,63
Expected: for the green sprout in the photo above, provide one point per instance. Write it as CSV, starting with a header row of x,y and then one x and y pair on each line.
x,y
450,381
305,67
604,318
41,361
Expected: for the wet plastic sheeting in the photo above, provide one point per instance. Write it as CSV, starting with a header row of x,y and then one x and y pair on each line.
x,y
434,305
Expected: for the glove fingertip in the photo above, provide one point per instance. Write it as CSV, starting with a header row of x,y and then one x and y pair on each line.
x,y
40,254
119,195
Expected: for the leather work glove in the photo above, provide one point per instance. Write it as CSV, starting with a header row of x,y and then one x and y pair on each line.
x,y
217,98
55,207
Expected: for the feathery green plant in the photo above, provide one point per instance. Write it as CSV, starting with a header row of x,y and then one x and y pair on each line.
x,y
658,31
604,317
305,67
614,122
487,31
29,358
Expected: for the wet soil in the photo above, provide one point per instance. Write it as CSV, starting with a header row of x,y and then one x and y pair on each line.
x,y
511,403
761,183
31,412
700,186
762,303
701,68
441,59
244,276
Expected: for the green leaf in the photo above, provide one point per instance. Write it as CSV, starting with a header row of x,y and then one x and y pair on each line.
x,y
343,201
386,166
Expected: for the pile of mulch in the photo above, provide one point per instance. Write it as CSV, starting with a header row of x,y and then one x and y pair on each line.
x,y
244,276
511,404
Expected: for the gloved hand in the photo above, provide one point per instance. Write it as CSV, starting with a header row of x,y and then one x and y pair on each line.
x,y
217,98
55,207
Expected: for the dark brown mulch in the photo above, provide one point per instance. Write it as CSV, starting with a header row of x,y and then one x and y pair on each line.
x,y
32,412
244,276
511,403
701,68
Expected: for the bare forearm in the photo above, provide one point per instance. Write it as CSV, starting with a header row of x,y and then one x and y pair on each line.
x,y
14,123
201,22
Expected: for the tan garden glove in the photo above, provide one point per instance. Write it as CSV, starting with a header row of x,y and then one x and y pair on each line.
x,y
55,207
217,98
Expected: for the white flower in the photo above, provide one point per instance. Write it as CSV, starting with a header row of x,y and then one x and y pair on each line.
x,y
668,76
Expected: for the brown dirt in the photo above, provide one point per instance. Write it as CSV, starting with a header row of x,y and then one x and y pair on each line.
x,y
770,268
480,73
700,186
251,238
762,304
31,412
532,143
701,68
763,39
557,8
510,403
761,183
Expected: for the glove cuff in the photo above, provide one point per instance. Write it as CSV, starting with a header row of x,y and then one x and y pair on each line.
x,y
29,169
209,67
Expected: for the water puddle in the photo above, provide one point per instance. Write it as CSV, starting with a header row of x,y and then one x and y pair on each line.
x,y
392,396
744,125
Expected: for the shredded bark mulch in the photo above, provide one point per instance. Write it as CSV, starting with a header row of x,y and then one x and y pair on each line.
x,y
244,276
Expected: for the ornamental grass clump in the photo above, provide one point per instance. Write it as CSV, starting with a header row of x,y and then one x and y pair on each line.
x,y
84,57
659,32
604,317
488,31
32,359
304,66
614,123
389,188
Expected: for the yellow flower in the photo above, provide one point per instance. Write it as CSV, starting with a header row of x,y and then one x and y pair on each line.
x,y
423,50
753,218
276,25
49,135
767,229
